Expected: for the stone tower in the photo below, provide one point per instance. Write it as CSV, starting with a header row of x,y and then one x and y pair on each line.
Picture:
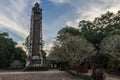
x,y
35,58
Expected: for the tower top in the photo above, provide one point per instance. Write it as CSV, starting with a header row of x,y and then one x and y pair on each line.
x,y
36,8
36,4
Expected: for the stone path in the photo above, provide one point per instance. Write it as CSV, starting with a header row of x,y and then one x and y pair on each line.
x,y
41,75
111,78
46,75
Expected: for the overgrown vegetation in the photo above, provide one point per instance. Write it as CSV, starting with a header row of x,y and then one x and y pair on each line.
x,y
93,41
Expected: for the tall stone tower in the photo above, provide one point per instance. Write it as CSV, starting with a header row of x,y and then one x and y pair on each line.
x,y
35,58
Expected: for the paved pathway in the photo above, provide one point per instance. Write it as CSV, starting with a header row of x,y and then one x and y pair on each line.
x,y
41,75
46,75
111,78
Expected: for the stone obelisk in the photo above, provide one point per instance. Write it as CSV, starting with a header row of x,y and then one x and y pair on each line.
x,y
35,59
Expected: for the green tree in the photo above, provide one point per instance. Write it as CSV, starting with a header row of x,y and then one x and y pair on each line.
x,y
8,51
19,55
71,50
96,31
26,43
111,46
105,25
61,35
7,46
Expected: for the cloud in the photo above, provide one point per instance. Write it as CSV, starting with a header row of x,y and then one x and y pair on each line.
x,y
10,24
48,47
92,9
13,17
20,44
71,24
59,1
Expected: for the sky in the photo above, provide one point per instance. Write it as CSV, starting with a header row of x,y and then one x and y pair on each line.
x,y
15,16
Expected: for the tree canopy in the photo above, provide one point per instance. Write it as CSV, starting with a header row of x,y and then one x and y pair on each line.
x,y
111,46
99,38
8,51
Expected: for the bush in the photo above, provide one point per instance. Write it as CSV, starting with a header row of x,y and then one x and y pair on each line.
x,y
114,66
16,64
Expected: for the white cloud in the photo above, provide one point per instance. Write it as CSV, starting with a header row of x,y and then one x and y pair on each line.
x,y
59,1
71,24
13,17
48,47
20,44
10,24
92,10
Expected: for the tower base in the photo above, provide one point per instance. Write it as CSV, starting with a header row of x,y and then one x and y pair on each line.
x,y
34,63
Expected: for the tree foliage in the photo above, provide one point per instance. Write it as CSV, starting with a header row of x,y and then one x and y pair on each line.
x,y
111,46
102,34
8,51
27,42
61,35
72,49
103,26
